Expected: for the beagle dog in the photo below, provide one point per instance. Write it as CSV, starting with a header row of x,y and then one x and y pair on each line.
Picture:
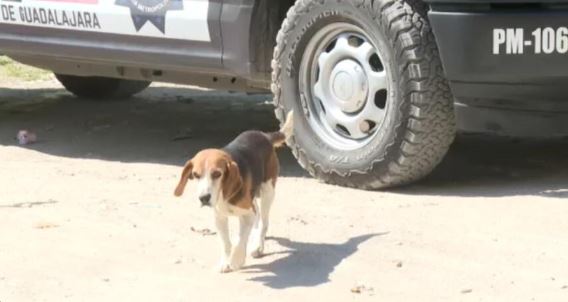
x,y
239,180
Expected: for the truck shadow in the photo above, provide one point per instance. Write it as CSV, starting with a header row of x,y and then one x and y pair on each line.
x,y
306,264
166,125
480,165
163,125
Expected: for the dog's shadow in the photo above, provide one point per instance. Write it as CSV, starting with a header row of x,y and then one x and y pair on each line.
x,y
306,264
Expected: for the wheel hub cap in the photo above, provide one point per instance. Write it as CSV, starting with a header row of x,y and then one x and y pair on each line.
x,y
349,86
346,85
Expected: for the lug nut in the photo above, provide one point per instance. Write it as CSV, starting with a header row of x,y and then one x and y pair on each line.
x,y
364,127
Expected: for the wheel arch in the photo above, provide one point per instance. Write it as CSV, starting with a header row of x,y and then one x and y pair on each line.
x,y
267,18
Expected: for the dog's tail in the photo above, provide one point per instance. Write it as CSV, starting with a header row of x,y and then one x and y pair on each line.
x,y
279,138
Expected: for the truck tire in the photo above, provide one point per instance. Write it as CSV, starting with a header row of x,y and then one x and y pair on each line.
x,y
101,87
372,107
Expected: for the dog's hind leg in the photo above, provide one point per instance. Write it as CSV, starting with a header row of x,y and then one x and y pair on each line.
x,y
266,199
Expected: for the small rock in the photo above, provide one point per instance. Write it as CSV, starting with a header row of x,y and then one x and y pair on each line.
x,y
186,133
203,232
360,288
467,291
356,290
177,261
564,287
26,137
399,264
184,100
106,279
45,225
298,219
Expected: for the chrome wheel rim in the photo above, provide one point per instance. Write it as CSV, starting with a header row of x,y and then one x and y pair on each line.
x,y
344,86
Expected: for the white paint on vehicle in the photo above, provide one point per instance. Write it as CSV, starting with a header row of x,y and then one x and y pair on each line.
x,y
106,16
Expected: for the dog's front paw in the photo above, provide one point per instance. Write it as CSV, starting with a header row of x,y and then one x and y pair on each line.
x,y
223,267
257,252
237,259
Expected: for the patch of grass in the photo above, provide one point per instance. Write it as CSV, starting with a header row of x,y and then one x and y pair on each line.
x,y
9,69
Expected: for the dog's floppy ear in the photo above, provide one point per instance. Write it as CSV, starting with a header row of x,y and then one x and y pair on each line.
x,y
232,180
185,176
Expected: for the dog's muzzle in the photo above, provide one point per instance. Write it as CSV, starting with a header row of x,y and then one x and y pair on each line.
x,y
205,200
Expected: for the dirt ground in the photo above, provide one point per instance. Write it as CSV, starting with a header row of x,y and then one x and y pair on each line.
x,y
88,213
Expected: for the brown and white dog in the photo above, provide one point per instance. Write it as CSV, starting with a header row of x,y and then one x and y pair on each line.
x,y
239,180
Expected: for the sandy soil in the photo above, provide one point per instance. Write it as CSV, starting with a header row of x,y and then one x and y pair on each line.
x,y
88,214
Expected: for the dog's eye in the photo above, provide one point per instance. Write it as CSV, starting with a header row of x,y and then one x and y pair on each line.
x,y
215,174
196,175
